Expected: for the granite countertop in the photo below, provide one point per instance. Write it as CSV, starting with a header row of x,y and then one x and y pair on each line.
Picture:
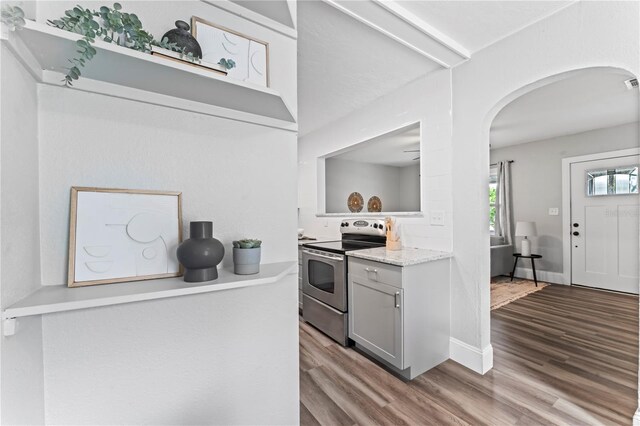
x,y
404,257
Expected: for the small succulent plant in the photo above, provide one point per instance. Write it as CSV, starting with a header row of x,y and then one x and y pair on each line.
x,y
247,243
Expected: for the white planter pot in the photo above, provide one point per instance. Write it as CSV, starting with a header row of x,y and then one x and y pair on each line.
x,y
246,261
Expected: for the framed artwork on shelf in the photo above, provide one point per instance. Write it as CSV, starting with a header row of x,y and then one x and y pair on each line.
x,y
119,235
251,56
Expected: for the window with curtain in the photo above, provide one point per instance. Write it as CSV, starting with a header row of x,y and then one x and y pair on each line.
x,y
493,199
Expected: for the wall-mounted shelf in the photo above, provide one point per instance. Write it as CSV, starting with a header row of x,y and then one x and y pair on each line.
x,y
126,73
60,298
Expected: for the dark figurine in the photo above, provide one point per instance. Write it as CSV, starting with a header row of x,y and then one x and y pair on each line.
x,y
183,39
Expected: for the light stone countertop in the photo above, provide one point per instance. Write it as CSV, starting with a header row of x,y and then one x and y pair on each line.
x,y
404,257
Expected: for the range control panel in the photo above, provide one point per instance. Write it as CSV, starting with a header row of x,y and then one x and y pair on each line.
x,y
363,226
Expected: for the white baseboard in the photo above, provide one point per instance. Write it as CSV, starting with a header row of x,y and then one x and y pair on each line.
x,y
636,417
546,276
471,357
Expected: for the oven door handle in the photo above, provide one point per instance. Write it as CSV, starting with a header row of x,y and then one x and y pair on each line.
x,y
335,259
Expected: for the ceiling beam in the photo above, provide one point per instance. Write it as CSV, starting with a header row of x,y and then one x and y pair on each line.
x,y
395,22
424,27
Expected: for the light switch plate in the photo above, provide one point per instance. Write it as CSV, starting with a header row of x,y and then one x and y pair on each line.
x,y
553,211
436,217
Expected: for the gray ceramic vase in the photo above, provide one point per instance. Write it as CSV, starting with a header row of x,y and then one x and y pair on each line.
x,y
183,39
246,261
201,253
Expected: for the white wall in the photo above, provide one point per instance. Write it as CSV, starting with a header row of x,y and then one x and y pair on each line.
x,y
585,34
177,353
536,178
217,358
410,184
225,169
342,177
427,100
21,359
199,359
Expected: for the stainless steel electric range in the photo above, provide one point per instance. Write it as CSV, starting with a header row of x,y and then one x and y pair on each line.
x,y
324,281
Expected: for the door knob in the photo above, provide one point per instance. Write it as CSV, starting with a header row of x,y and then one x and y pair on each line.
x,y
575,225
576,233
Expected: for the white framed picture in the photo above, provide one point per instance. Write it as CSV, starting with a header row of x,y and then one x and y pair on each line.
x,y
251,56
118,235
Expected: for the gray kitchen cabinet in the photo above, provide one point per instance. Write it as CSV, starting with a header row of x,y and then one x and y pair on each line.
x,y
376,318
400,314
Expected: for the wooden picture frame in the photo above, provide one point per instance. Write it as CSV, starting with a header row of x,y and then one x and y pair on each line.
x,y
250,54
121,235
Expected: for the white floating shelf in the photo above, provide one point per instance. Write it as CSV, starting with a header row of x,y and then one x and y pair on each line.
x,y
60,298
126,73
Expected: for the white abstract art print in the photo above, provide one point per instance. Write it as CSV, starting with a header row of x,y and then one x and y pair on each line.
x,y
123,235
251,56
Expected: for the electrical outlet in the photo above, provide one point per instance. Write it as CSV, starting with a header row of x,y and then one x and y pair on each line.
x,y
437,217
553,211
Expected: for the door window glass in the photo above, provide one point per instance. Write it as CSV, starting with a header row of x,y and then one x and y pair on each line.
x,y
614,181
321,275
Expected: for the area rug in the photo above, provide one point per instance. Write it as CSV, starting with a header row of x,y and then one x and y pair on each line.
x,y
503,291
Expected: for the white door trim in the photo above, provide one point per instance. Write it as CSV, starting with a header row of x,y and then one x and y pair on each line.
x,y
566,201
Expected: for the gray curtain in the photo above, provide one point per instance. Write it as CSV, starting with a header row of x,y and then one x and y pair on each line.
x,y
503,199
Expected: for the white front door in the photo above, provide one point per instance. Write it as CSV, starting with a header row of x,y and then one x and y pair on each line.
x,y
604,223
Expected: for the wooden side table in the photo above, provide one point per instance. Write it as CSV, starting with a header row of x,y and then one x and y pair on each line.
x,y
533,257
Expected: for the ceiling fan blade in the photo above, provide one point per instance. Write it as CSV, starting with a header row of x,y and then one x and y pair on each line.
x,y
412,150
417,158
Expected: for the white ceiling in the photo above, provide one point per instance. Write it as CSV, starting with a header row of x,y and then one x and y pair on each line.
x,y
278,10
343,65
478,24
388,149
590,100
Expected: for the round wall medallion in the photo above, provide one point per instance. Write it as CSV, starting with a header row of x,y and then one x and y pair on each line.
x,y
374,204
355,202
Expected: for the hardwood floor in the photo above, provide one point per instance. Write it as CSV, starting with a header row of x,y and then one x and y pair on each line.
x,y
563,355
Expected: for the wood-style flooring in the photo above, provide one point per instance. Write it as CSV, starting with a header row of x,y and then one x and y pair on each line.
x,y
563,355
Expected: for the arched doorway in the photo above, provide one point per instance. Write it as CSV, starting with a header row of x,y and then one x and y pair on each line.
x,y
564,330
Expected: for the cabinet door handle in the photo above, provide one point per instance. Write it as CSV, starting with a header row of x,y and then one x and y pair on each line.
x,y
396,299
372,271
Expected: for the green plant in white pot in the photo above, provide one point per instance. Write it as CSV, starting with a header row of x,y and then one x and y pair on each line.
x,y
246,256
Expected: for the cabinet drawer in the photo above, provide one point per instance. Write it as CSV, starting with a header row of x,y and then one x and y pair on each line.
x,y
376,271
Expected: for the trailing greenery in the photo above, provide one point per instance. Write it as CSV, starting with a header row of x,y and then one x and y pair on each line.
x,y
12,17
227,63
247,243
111,25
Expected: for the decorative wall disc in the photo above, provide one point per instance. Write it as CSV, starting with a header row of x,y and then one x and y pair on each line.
x,y
374,204
355,202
